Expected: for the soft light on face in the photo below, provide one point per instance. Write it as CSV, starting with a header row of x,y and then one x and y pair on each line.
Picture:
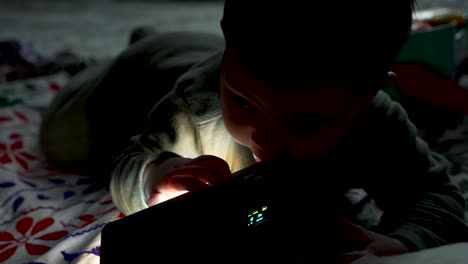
x,y
298,122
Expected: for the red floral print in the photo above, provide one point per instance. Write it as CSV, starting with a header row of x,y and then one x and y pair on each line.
x,y
28,237
54,86
87,219
15,151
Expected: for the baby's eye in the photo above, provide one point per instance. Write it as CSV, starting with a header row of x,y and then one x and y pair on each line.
x,y
243,104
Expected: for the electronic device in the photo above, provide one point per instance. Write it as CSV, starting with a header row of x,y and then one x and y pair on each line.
x,y
256,217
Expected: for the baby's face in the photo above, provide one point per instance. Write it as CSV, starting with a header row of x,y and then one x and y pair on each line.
x,y
293,122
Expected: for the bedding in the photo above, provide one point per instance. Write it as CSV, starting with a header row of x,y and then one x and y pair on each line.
x,y
48,215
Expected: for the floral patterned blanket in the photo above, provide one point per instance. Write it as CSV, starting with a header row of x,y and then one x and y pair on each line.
x,y
47,215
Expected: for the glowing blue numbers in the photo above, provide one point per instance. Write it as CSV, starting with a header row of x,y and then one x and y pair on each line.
x,y
257,216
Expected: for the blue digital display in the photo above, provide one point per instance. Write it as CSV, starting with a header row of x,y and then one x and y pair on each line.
x,y
257,216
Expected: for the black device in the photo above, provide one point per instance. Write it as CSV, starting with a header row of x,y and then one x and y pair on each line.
x,y
256,217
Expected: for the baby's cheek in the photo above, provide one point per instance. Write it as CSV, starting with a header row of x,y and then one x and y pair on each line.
x,y
240,135
238,129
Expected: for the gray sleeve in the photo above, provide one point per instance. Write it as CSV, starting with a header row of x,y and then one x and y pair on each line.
x,y
421,205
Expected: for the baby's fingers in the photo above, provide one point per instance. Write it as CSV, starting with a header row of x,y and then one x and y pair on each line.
x,y
175,186
215,164
185,183
205,175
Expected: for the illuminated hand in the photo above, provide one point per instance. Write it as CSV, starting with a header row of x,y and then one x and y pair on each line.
x,y
180,175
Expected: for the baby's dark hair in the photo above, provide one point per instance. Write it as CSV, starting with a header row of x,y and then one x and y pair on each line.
x,y
299,41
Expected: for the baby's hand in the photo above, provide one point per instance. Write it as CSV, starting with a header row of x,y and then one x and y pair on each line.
x,y
374,244
180,175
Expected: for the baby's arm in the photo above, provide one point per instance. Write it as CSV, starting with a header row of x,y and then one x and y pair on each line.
x,y
422,208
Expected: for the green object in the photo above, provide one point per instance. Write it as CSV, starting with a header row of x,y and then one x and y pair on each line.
x,y
394,92
461,43
4,102
435,48
30,86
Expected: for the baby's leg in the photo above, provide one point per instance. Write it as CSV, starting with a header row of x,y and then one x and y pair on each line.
x,y
91,120
65,134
